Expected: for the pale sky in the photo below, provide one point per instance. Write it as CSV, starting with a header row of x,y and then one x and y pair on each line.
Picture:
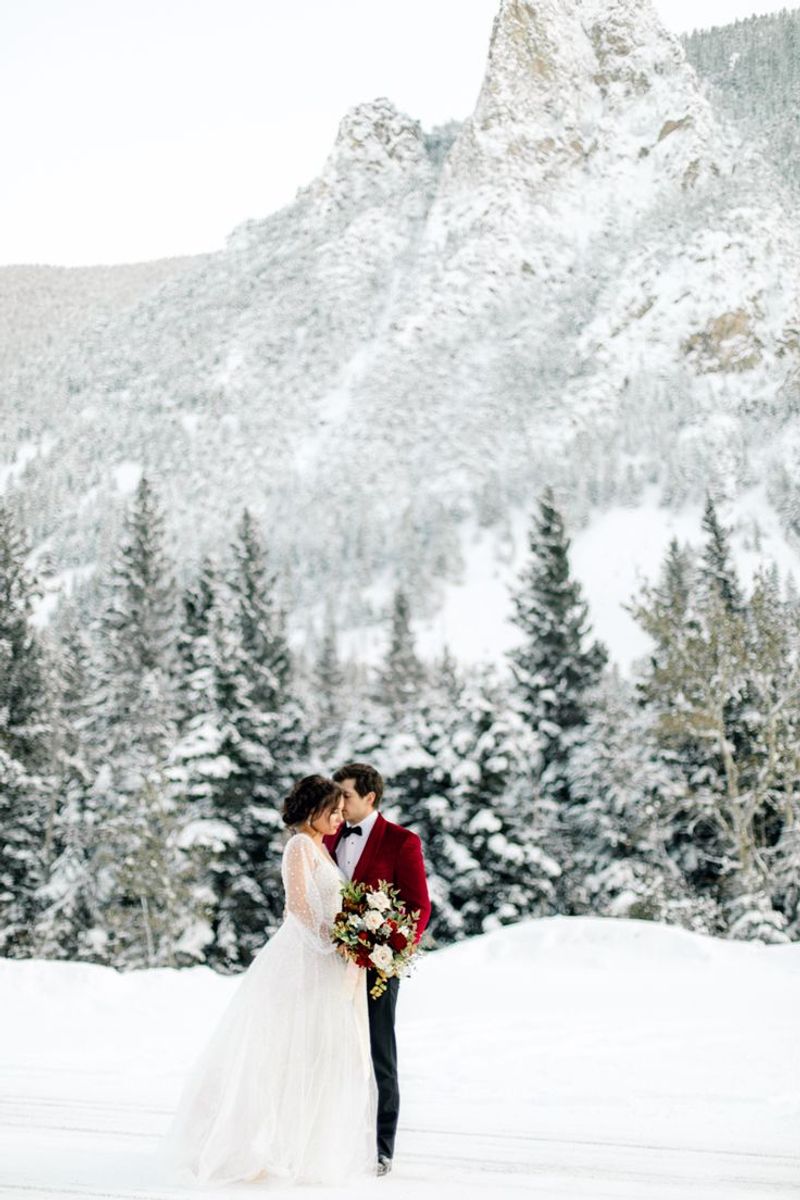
x,y
135,129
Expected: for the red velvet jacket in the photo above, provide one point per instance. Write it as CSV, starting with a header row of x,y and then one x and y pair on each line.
x,y
394,854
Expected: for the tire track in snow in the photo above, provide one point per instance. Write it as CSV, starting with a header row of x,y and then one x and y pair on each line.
x,y
524,1162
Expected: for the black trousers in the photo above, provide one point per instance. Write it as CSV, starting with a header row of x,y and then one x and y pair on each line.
x,y
384,1060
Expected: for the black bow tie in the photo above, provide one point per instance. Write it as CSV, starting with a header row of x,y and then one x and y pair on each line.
x,y
348,829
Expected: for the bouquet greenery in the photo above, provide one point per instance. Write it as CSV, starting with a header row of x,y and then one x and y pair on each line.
x,y
373,930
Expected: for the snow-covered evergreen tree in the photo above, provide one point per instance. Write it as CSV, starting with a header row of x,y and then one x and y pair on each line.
x,y
500,831
364,730
195,759
415,718
750,914
329,701
759,904
197,763
70,908
132,730
723,688
403,674
625,795
668,612
717,573
26,785
263,747
260,620
556,666
785,867
195,651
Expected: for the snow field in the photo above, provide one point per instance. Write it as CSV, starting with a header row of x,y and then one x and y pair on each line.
x,y
563,1057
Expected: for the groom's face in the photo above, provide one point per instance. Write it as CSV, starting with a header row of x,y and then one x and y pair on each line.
x,y
356,807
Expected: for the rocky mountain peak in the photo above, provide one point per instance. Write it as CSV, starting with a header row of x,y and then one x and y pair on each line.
x,y
538,69
629,43
566,78
582,284
379,155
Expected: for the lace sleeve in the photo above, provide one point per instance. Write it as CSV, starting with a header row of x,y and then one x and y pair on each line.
x,y
303,901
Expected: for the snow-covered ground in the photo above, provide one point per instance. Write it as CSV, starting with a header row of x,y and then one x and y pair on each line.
x,y
560,1058
26,452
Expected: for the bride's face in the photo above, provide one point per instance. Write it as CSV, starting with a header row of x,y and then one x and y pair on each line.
x,y
329,822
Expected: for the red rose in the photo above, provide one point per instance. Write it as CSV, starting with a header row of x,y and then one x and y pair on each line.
x,y
363,960
364,937
398,941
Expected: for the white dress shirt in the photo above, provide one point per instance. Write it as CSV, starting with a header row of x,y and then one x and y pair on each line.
x,y
350,849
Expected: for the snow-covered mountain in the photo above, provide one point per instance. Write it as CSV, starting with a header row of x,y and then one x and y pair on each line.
x,y
591,282
751,69
43,310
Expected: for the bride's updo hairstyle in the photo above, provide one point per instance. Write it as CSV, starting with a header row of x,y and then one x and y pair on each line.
x,y
310,797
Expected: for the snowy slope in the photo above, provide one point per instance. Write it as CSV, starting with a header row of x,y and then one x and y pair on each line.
x,y
567,1057
44,311
620,549
589,283
731,59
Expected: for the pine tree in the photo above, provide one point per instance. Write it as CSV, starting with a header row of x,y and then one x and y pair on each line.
x,y
260,622
717,572
26,787
133,728
70,917
784,863
448,677
500,833
194,759
668,613
555,667
23,670
723,687
367,725
411,715
625,797
195,645
751,915
759,904
329,702
198,764
695,673
403,674
264,746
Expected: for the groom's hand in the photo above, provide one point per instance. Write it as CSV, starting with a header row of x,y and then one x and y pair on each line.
x,y
411,882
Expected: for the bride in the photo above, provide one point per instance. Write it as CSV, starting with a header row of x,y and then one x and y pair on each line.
x,y
285,1087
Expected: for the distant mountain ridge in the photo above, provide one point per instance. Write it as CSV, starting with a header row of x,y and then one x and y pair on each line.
x,y
592,282
752,71
45,307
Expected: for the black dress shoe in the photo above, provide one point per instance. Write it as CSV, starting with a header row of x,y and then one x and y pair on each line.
x,y
384,1165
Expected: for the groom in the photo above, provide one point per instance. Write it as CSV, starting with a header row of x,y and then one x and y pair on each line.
x,y
369,848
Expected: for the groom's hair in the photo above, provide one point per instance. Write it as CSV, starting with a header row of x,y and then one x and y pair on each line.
x,y
365,778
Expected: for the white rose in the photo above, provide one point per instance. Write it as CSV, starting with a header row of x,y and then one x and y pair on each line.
x,y
379,900
373,920
382,957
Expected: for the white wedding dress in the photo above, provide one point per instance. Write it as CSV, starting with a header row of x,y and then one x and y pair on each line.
x,y
285,1085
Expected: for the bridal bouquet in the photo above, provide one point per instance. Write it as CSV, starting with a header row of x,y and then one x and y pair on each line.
x,y
374,930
